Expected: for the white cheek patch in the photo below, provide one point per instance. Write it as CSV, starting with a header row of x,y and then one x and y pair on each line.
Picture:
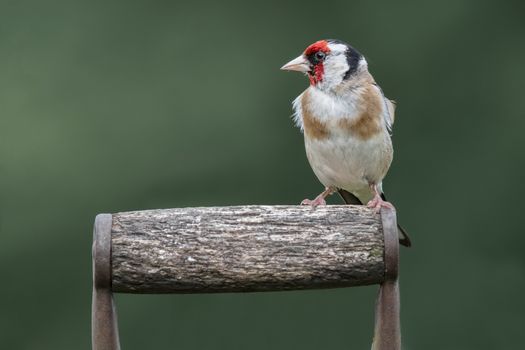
x,y
335,67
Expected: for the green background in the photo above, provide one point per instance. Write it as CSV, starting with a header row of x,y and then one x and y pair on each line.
x,y
110,106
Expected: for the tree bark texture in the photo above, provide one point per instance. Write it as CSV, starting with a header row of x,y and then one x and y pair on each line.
x,y
245,249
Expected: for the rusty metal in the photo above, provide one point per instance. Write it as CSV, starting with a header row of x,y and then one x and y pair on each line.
x,y
387,332
104,329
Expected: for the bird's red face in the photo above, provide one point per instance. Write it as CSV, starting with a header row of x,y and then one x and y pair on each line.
x,y
316,54
311,61
327,63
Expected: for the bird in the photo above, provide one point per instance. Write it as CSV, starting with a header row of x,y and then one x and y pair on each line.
x,y
347,125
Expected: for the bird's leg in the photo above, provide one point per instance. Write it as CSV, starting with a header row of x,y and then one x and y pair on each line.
x,y
377,202
319,200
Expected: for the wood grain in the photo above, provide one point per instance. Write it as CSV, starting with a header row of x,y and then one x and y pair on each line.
x,y
245,249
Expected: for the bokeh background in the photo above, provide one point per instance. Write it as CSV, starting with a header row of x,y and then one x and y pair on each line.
x,y
110,106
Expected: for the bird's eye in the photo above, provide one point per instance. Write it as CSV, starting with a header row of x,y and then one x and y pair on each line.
x,y
320,55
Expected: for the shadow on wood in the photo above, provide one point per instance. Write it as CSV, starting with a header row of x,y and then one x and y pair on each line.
x,y
245,249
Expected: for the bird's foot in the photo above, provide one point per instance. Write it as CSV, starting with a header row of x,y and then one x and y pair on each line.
x,y
319,200
377,203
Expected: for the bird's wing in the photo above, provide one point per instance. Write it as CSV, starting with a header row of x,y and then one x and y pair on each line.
x,y
390,109
391,105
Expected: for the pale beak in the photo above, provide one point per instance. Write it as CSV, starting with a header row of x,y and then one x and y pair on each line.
x,y
299,64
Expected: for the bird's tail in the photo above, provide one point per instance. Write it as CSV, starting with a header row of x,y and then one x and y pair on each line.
x,y
349,198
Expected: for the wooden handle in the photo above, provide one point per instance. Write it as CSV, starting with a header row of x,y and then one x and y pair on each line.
x,y
245,249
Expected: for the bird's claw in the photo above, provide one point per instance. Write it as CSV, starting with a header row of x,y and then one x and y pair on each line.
x,y
319,200
315,202
377,203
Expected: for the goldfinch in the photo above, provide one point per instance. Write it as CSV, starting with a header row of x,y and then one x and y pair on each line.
x,y
347,123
